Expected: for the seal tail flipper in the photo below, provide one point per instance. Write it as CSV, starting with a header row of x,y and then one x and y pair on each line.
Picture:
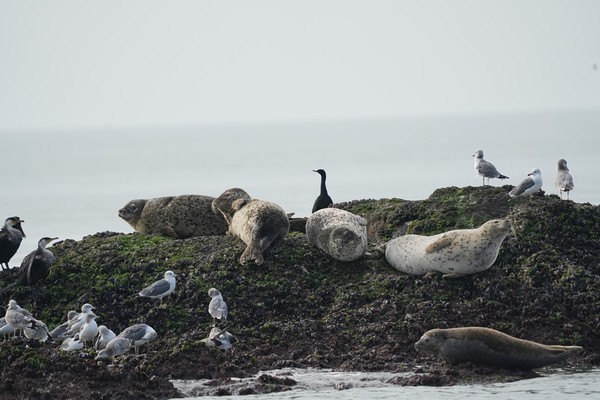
x,y
253,252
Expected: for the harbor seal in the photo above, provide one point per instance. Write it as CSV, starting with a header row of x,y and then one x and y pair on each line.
x,y
257,222
339,233
179,217
455,253
490,347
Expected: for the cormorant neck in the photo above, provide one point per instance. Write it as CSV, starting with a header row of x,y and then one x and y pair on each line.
x,y
323,188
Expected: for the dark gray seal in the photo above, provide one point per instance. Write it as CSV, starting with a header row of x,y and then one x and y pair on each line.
x,y
491,347
339,233
257,222
179,217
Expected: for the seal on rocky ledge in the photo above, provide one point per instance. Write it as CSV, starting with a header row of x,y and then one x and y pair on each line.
x,y
490,347
339,233
257,222
175,216
455,253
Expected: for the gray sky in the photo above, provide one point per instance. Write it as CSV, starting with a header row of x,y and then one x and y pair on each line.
x,y
98,64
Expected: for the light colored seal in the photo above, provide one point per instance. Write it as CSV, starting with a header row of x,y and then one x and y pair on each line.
x,y
490,347
257,222
455,253
175,216
339,233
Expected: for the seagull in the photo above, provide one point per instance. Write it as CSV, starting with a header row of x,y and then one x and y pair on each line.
x,y
38,330
72,343
529,186
485,168
105,335
18,317
5,329
217,307
89,329
220,339
564,180
77,322
115,347
60,332
138,334
323,200
161,288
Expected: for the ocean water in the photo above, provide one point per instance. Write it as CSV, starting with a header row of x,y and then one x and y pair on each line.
x,y
71,184
553,383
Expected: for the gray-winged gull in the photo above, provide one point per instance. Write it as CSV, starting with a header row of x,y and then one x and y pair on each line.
x,y
60,332
529,185
161,288
89,329
105,335
77,322
37,331
18,317
139,334
564,180
220,339
5,328
217,307
485,168
115,347
72,344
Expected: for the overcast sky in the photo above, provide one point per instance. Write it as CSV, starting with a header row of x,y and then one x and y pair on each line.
x,y
105,64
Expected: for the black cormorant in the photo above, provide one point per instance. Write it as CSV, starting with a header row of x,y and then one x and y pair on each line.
x,y
11,236
323,201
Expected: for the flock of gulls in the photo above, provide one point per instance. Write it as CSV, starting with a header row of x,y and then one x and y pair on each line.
x,y
81,330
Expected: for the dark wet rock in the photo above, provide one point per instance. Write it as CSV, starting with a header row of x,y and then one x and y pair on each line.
x,y
302,309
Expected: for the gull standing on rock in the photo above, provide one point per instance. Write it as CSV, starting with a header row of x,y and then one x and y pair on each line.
x,y
485,168
139,334
11,237
161,288
72,344
77,322
220,339
564,180
89,329
529,185
217,307
5,329
18,318
37,331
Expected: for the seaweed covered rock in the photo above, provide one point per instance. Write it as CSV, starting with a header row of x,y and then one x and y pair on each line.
x,y
301,308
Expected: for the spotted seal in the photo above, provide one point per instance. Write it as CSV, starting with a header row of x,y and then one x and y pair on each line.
x,y
455,253
175,216
339,233
257,222
490,347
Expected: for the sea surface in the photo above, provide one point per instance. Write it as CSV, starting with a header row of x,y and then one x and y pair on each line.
x,y
71,184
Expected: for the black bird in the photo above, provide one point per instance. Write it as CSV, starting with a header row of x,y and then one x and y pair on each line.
x,y
11,236
35,265
323,201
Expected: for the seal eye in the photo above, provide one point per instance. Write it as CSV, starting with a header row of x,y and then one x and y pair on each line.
x,y
132,207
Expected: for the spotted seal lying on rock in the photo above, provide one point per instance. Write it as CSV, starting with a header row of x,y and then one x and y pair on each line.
x,y
339,233
257,222
455,253
175,216
490,347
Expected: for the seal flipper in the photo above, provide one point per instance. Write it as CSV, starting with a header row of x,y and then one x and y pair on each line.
x,y
253,252
441,243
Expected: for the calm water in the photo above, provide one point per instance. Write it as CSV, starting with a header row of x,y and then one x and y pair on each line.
x,y
71,184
